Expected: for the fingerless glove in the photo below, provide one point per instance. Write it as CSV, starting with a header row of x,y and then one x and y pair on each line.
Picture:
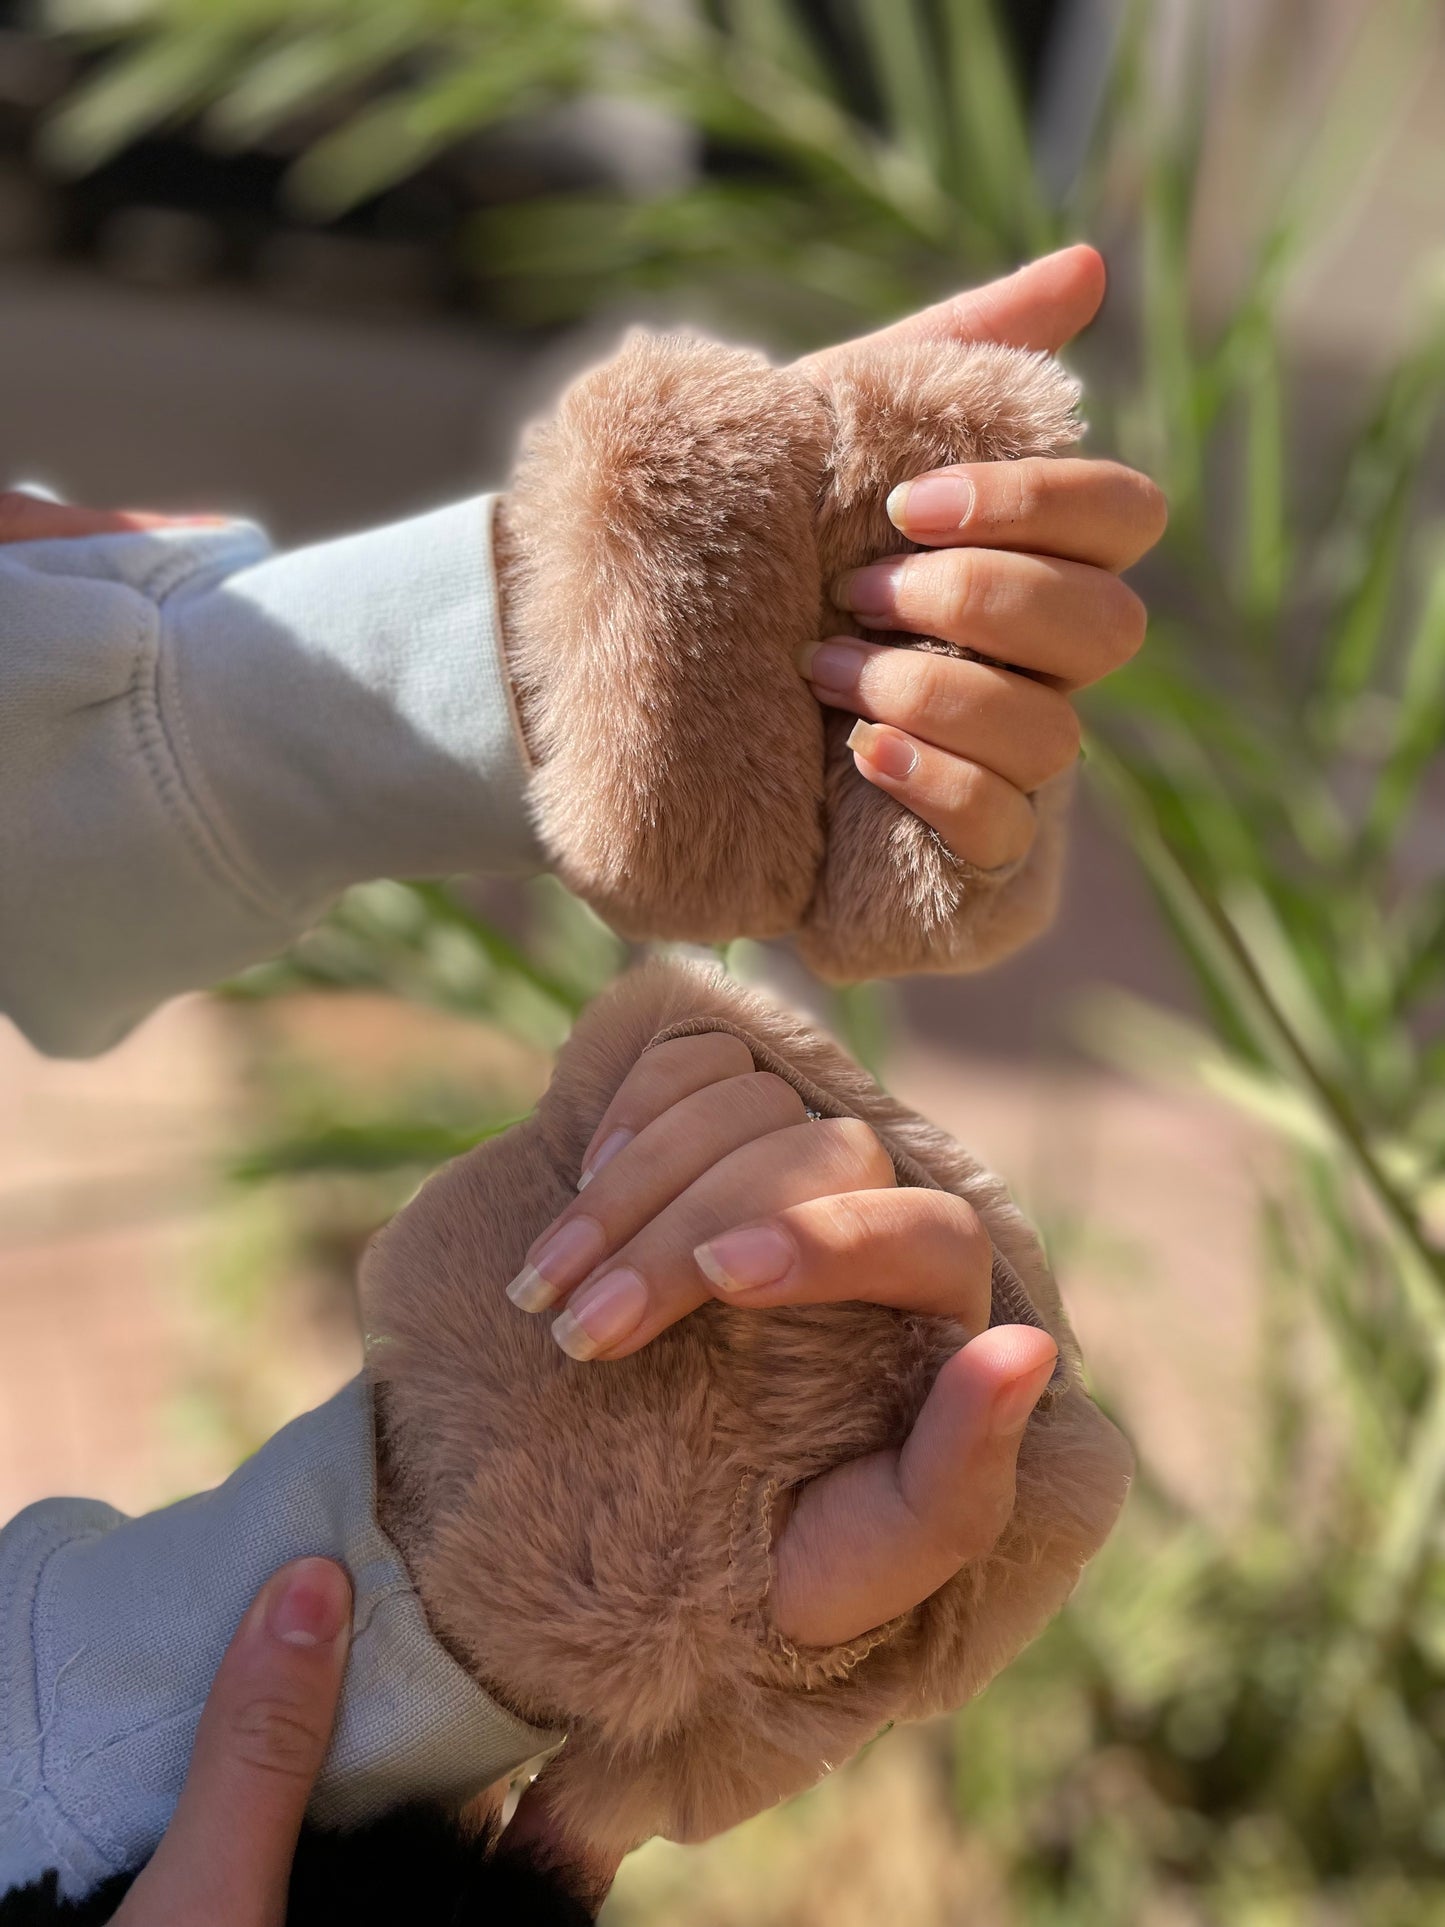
x,y
593,1542
665,551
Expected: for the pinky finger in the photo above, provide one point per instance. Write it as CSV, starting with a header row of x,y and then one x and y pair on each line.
x,y
982,818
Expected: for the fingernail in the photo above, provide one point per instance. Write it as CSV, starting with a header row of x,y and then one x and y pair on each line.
x,y
569,1254
1014,1401
870,591
883,749
145,520
744,1260
604,1154
932,505
832,665
602,1315
309,1603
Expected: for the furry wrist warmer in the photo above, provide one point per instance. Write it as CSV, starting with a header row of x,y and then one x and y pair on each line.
x,y
664,553
594,1541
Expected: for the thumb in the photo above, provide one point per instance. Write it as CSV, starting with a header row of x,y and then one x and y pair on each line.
x,y
873,1538
1042,305
226,1857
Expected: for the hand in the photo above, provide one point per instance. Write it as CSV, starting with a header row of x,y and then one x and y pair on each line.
x,y
705,1177
226,1856
29,518
1023,566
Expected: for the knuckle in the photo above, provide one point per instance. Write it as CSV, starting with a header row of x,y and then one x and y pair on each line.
x,y
1021,488
273,1736
959,591
729,1055
990,1509
1017,839
920,681
850,1224
967,1230
975,1230
774,1097
1151,507
859,1153
1121,621
1001,822
966,1530
713,1051
974,791
1133,622
1059,731
683,1064
970,1247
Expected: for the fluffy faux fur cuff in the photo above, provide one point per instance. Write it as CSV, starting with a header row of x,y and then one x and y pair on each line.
x,y
664,553
593,1541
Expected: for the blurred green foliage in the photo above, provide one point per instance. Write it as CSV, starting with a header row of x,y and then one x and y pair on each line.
x,y
1273,1698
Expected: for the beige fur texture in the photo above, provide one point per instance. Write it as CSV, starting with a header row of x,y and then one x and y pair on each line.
x,y
663,554
592,1541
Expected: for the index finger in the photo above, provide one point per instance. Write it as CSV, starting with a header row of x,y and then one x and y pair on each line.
x,y
226,1856
1041,305
917,1250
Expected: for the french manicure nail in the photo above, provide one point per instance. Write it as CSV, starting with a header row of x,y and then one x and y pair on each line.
x,y
569,1254
604,1154
601,1315
933,504
310,1603
896,507
747,1259
885,750
1014,1401
870,591
834,666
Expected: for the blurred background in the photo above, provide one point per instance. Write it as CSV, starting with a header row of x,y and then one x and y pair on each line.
x,y
315,260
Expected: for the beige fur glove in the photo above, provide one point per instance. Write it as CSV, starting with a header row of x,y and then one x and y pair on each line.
x,y
664,553
593,1541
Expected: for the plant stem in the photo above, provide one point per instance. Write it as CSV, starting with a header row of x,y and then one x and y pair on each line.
x,y
1423,1268
1381,1611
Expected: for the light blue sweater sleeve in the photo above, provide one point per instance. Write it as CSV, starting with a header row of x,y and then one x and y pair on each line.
x,y
203,743
111,1630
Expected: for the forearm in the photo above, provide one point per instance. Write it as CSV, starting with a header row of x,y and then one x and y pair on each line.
x,y
202,744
